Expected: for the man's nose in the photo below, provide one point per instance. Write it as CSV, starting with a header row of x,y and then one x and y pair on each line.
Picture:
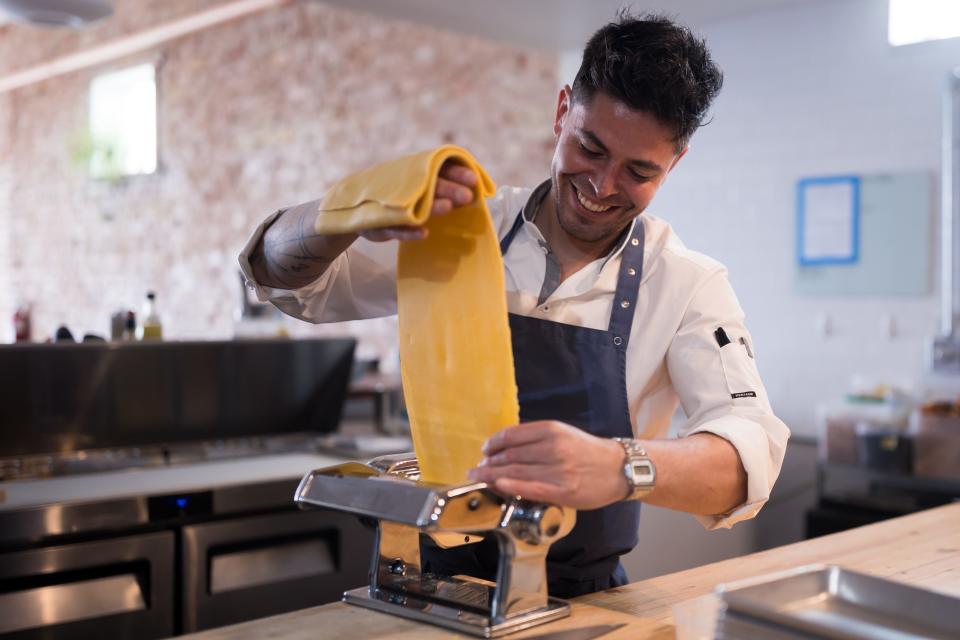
x,y
604,184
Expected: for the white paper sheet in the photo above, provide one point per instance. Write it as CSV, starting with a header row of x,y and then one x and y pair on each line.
x,y
829,222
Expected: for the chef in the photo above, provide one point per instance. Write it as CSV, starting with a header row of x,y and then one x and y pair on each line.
x,y
614,321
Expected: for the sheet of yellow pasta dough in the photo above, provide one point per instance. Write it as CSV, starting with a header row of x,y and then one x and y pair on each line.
x,y
456,359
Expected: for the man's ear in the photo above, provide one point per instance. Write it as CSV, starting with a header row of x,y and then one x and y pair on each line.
x,y
677,158
563,108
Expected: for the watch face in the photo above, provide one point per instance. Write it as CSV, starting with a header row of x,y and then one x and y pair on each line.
x,y
642,471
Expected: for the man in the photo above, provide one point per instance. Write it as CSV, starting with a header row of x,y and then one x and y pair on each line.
x,y
614,322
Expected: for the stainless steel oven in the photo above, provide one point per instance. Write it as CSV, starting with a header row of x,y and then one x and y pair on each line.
x,y
155,565
245,568
115,587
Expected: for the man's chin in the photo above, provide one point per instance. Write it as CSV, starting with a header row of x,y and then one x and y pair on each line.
x,y
585,231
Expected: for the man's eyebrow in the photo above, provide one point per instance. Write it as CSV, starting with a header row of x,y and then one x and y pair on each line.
x,y
636,163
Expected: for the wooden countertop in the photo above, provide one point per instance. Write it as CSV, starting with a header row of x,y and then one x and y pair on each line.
x,y
921,549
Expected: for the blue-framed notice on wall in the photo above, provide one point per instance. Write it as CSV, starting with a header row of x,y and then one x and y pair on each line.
x,y
828,220
872,234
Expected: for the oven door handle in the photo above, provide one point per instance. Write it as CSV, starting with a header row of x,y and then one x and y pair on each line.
x,y
70,602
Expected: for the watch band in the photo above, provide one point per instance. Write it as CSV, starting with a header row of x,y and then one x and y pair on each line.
x,y
638,469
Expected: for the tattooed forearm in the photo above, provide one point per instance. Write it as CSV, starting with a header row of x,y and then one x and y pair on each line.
x,y
303,234
291,254
293,272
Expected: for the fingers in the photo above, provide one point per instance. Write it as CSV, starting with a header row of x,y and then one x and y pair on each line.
x,y
532,490
455,185
456,194
531,472
547,483
527,433
534,453
454,189
441,206
458,173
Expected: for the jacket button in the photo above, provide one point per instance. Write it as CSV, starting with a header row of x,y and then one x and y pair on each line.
x,y
631,271
634,241
625,304
617,340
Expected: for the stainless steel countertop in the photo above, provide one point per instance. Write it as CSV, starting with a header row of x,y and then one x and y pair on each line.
x,y
180,478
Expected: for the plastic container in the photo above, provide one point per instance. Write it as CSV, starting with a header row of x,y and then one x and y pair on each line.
x,y
881,448
839,442
936,445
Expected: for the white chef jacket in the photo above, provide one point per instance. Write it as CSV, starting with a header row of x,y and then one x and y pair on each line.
x,y
673,356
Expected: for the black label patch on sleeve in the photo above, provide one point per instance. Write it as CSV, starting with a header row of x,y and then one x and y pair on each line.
x,y
744,394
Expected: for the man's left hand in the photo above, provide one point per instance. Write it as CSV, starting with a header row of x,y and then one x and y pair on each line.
x,y
550,461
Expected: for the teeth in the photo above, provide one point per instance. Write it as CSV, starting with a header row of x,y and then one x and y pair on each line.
x,y
590,205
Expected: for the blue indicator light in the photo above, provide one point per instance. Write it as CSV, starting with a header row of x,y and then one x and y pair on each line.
x,y
182,502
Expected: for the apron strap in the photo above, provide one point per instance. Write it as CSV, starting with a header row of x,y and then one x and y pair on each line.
x,y
628,281
628,286
508,239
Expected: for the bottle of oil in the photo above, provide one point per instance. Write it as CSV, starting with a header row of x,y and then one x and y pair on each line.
x,y
151,328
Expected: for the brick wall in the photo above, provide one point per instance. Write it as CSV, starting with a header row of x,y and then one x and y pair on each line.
x,y
22,47
7,293
262,112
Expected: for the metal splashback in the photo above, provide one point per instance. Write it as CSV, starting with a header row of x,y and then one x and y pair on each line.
x,y
60,398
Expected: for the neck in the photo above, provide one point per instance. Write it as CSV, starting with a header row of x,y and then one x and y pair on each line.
x,y
572,254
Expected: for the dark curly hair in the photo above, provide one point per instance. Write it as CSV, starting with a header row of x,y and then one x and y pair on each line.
x,y
653,65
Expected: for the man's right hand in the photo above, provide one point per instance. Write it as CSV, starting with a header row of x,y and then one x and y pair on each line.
x,y
455,185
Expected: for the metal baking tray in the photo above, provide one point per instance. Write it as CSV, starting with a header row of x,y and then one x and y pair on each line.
x,y
832,602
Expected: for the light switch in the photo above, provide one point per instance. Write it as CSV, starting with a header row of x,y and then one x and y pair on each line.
x,y
888,326
824,325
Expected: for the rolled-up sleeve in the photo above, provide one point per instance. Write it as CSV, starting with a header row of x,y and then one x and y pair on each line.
x,y
362,282
720,390
359,284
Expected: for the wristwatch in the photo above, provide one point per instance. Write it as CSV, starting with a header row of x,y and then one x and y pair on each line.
x,y
638,469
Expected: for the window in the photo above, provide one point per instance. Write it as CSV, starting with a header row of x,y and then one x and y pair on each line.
x,y
922,20
123,123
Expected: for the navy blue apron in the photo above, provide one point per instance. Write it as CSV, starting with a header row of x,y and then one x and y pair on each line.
x,y
578,376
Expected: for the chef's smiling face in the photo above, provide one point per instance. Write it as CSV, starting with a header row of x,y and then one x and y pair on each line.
x,y
608,164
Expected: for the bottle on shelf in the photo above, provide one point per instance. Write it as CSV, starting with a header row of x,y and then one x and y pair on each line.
x,y
130,327
118,325
151,328
22,323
